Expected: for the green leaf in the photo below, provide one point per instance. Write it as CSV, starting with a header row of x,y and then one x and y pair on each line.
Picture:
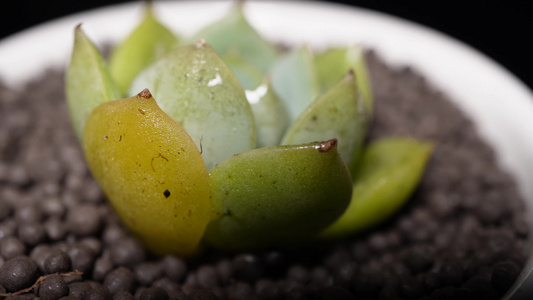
x,y
270,115
88,82
339,114
249,76
295,80
390,171
233,32
197,89
148,41
333,63
276,195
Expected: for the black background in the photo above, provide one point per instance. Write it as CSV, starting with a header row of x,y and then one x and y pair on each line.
x,y
503,30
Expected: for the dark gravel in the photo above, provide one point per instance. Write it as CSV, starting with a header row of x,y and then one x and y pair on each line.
x,y
53,287
461,236
18,273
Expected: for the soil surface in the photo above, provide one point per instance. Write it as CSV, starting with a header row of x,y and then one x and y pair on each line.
x,y
461,236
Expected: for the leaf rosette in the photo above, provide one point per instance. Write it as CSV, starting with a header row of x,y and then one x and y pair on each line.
x,y
275,139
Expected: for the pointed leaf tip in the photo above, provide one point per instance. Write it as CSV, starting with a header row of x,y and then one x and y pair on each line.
x,y
351,73
327,145
200,43
145,94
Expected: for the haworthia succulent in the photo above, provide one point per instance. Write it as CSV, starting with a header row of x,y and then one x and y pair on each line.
x,y
338,113
154,171
389,172
148,41
197,89
276,195
151,172
88,82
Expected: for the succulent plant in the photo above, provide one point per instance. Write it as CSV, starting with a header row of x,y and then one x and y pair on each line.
x,y
228,141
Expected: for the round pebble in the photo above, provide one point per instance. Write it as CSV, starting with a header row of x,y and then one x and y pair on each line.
x,y
82,257
113,233
174,267
224,270
12,247
102,267
57,262
7,229
451,273
146,273
83,220
419,258
320,276
92,243
298,273
32,233
123,296
29,214
247,267
127,252
53,207
68,298
39,255
345,274
167,284
18,273
53,287
267,289
154,293
207,277
79,289
97,292
19,176
120,280
202,295
5,209
55,229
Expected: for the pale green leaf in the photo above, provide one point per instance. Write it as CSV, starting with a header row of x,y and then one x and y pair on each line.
x,y
234,32
197,89
271,117
295,80
88,82
148,41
